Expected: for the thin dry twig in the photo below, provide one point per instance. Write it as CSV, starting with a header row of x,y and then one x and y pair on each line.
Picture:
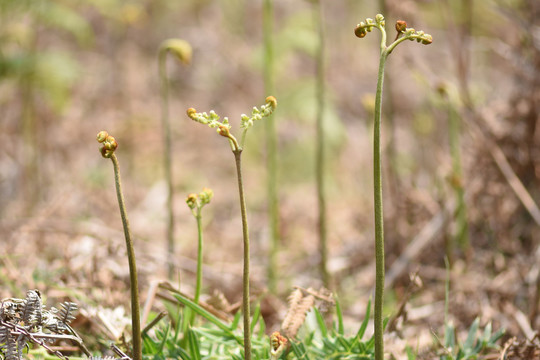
x,y
504,166
420,241
521,320
152,290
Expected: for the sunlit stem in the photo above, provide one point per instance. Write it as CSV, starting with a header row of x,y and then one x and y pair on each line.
x,y
320,148
198,285
271,146
167,158
245,232
378,203
134,284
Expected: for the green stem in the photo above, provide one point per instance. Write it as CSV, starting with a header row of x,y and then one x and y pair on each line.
x,y
245,233
135,312
199,257
167,159
271,143
379,229
30,133
462,234
319,157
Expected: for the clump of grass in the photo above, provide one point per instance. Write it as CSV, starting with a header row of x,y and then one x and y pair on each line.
x,y
107,151
303,335
196,202
223,128
403,33
181,50
451,348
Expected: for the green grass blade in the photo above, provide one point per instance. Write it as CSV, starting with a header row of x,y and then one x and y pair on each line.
x,y
411,355
187,315
255,319
449,338
194,346
262,328
164,340
483,341
339,314
184,355
330,345
487,333
363,326
469,342
320,322
178,324
308,339
202,312
299,350
370,343
495,337
150,346
208,316
236,320
344,342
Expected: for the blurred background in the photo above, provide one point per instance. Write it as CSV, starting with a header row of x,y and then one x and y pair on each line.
x,y
460,141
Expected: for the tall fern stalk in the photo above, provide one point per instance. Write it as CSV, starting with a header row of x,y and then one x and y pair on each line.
x,y
271,146
403,33
245,234
198,285
196,202
223,128
107,151
319,157
182,50
461,235
377,199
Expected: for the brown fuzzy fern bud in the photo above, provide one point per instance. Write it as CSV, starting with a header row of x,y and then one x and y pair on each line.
x,y
360,30
109,144
401,25
205,196
426,39
276,340
224,131
181,49
279,343
272,101
191,112
102,136
191,201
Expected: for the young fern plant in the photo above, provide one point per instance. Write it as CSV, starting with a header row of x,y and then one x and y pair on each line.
x,y
320,166
271,145
223,128
196,202
460,237
182,52
107,151
403,33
